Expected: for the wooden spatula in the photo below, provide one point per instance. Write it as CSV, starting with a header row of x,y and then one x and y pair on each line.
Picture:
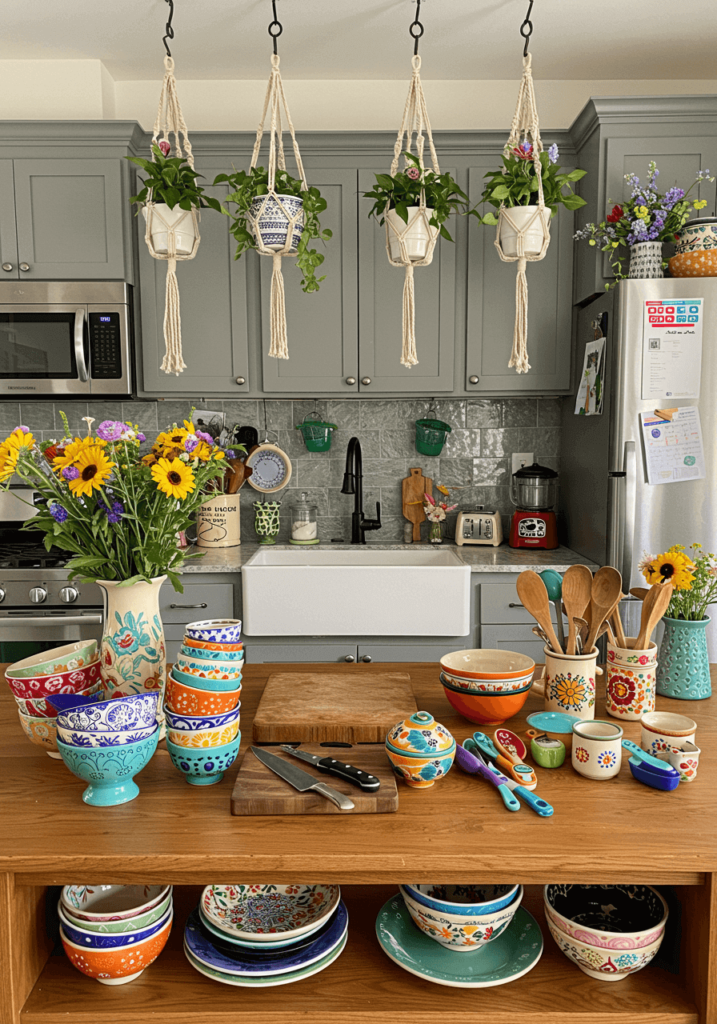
x,y
614,616
534,597
577,586
653,608
605,593
639,592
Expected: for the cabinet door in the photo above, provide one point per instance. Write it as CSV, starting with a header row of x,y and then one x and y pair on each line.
x,y
322,326
8,231
257,654
70,219
381,312
491,308
212,291
407,651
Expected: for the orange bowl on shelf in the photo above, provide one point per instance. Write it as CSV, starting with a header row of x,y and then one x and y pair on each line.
x,y
120,964
489,664
485,708
189,700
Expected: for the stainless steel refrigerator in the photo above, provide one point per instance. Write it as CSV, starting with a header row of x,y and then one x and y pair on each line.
x,y
610,513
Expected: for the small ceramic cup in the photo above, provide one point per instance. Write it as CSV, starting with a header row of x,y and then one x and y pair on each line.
x,y
597,749
662,730
630,690
567,682
684,759
547,752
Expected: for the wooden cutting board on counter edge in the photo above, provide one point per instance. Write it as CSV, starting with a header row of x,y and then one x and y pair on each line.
x,y
258,790
314,707
412,490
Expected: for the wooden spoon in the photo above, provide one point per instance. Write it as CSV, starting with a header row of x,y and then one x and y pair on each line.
x,y
617,625
614,617
639,592
577,586
534,597
605,593
653,608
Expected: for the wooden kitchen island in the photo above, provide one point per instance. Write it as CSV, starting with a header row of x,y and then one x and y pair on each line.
x,y
458,831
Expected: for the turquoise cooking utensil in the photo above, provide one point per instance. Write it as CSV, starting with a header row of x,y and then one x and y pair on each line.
x,y
486,745
540,806
471,761
554,585
655,763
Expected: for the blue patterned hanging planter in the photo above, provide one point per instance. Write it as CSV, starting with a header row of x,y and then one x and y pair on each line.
x,y
683,669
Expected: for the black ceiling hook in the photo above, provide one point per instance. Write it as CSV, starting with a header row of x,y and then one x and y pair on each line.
x,y
169,31
526,29
275,27
416,29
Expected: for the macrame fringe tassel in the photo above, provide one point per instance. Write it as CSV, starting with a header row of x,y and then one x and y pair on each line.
x,y
519,355
279,341
408,352
173,361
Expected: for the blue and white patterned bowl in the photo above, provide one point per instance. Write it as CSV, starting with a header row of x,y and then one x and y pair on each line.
x,y
199,683
100,940
202,655
197,723
219,631
110,771
274,222
80,738
135,712
463,900
204,766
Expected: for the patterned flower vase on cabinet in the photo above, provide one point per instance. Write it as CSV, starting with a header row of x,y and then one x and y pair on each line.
x,y
683,671
630,680
646,260
132,653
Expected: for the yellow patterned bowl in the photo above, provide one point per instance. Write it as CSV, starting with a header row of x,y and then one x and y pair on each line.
x,y
42,732
204,738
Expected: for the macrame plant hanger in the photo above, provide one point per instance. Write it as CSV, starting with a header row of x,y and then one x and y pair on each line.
x,y
415,120
170,120
525,127
274,102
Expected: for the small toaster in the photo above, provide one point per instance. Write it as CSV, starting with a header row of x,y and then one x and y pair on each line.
x,y
481,527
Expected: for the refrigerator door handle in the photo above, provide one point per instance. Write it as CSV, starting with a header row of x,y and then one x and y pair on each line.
x,y
629,466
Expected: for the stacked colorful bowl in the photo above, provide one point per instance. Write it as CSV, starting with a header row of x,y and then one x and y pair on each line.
x,y
202,701
462,917
112,932
108,743
486,686
71,669
260,936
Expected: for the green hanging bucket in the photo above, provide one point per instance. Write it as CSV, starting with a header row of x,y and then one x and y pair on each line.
x,y
431,436
316,434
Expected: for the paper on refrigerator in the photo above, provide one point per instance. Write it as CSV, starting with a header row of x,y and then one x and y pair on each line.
x,y
671,348
673,448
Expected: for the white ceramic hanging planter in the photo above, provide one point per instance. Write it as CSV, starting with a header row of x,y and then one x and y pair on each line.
x,y
418,234
164,219
522,216
273,223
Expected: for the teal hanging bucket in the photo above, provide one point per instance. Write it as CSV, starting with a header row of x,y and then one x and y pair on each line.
x,y
431,436
683,664
316,434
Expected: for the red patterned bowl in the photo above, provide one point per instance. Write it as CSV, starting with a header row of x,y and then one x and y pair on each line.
x,y
120,964
63,682
39,708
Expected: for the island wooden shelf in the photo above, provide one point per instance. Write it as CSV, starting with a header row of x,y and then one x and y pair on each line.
x,y
456,832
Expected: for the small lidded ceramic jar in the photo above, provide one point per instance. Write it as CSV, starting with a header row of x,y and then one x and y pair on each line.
x,y
304,526
420,750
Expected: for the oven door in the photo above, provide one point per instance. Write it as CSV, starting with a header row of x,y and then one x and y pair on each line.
x,y
60,627
44,349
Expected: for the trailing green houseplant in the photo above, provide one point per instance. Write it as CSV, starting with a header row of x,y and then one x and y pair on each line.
x,y
516,183
250,185
172,181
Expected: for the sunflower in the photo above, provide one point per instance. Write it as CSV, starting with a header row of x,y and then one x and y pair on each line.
x,y
173,438
203,452
174,478
673,567
10,451
94,470
69,454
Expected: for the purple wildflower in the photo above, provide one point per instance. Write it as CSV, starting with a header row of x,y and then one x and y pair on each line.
x,y
141,437
70,472
190,443
702,175
205,437
111,430
230,453
58,513
116,512
672,196
23,428
553,153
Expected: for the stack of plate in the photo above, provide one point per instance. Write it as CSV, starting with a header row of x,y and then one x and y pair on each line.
x,y
265,935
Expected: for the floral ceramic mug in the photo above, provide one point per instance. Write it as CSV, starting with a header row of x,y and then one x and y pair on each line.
x,y
630,680
662,730
567,683
684,757
597,749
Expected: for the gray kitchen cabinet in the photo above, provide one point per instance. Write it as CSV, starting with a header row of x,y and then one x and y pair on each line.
x,y
381,312
322,327
304,651
213,301
8,230
491,307
519,639
406,651
202,599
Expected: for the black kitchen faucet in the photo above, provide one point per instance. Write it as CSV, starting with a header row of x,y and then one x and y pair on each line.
x,y
353,484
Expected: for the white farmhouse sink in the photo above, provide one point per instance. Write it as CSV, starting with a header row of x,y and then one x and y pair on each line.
x,y
360,591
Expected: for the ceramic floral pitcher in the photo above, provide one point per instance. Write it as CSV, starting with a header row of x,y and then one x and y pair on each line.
x,y
132,654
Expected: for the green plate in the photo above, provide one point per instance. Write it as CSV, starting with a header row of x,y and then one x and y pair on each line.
x,y
271,980
506,958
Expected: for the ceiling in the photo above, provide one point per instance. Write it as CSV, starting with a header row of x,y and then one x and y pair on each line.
x,y
368,39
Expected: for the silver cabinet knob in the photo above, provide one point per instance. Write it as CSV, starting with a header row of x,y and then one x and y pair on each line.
x,y
473,379
7,267
24,267
349,657
365,380
69,594
366,657
38,595
351,380
2,595
241,380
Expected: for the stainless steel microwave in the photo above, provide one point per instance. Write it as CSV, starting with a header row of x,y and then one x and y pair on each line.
x,y
65,338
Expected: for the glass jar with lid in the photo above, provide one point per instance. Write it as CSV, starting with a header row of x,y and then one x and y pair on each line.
x,y
304,525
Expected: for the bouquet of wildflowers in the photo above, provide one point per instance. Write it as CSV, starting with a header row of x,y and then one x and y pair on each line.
x,y
435,510
694,578
647,216
516,183
117,511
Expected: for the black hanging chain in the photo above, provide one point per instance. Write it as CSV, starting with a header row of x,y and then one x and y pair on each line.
x,y
526,29
416,29
169,31
275,27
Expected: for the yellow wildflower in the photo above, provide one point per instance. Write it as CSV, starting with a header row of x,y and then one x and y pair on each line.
x,y
94,469
700,204
10,451
174,478
672,567
642,212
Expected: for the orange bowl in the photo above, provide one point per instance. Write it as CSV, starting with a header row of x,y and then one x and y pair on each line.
x,y
488,664
120,964
486,708
700,263
212,645
188,700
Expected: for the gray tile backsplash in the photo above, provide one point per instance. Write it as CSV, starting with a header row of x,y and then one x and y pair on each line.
x,y
474,463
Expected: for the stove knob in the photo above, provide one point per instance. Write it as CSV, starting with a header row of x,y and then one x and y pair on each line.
x,y
2,595
38,595
69,594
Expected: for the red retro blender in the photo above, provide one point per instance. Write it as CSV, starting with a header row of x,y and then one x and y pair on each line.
x,y
533,491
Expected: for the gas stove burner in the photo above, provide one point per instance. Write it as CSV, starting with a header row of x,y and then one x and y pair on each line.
x,y
17,555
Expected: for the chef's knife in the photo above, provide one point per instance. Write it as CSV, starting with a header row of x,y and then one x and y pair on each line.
x,y
357,777
301,780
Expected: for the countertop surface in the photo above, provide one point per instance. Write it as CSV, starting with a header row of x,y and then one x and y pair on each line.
x,y
479,558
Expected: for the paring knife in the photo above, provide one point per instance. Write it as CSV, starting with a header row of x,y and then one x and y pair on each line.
x,y
356,776
301,780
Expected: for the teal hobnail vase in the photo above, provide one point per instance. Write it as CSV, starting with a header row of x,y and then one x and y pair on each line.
x,y
683,664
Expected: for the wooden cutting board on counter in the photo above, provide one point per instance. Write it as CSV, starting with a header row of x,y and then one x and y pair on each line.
x,y
314,707
258,790
413,488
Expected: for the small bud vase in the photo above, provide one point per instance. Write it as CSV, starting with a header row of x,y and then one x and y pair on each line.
x,y
646,260
683,669
436,534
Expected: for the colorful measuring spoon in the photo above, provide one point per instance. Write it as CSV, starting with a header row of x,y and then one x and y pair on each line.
x,y
540,806
514,754
654,762
470,761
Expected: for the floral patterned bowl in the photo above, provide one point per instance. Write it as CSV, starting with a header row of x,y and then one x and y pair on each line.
x,y
60,659
105,904
220,631
458,933
226,670
71,681
82,738
191,723
109,771
204,767
485,708
194,701
119,926
120,965
91,939
42,732
120,714
607,916
487,665
266,913
462,900
212,645
487,686
194,653
204,737
600,963
40,707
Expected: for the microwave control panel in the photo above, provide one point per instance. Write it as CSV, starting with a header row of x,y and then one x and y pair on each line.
x,y
105,349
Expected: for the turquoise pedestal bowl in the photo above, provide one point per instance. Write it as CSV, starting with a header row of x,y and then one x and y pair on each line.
x,y
110,771
204,766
